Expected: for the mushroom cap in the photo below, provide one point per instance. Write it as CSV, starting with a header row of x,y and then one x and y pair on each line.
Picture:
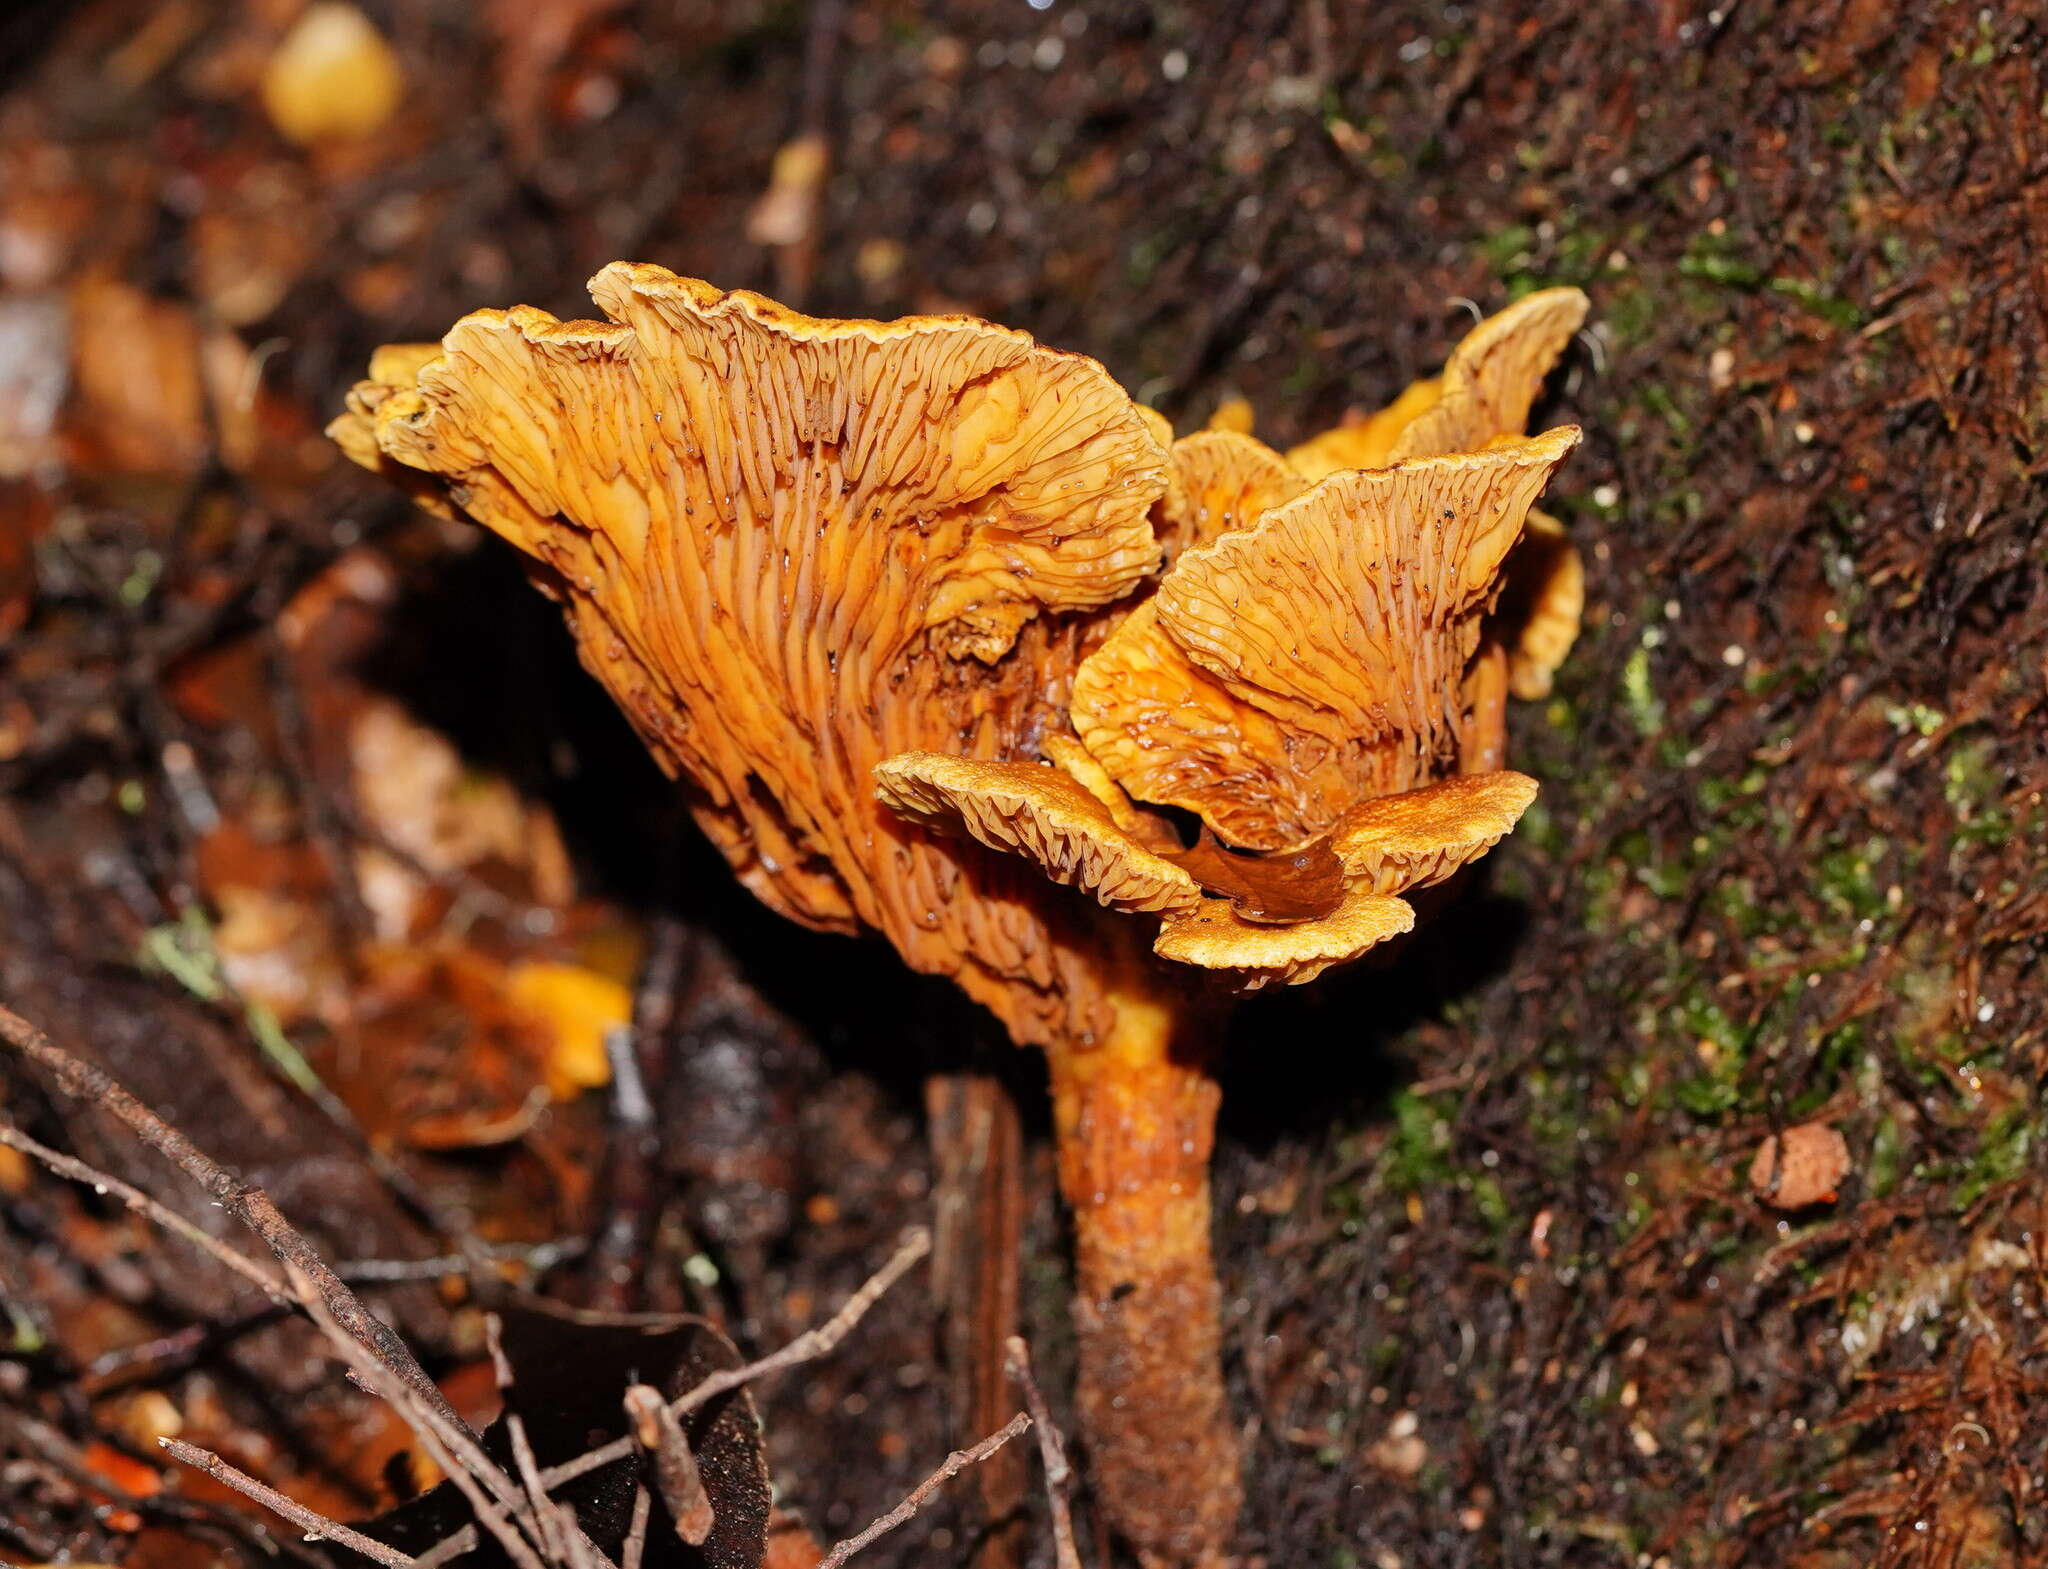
x,y
1214,937
1039,812
1544,598
1366,443
1223,480
1493,376
791,548
1485,393
1318,658
1233,413
1421,837
1073,759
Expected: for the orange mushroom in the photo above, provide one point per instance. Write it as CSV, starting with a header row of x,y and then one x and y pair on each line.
x,y
1485,392
854,581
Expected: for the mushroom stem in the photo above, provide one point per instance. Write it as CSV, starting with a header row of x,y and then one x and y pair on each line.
x,y
1136,1118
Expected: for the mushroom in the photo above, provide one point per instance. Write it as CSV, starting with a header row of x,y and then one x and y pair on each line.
x,y
1485,392
886,598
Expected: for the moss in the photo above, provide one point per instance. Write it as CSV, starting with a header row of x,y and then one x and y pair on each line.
x,y
1713,258
1418,1156
1146,253
1639,696
2000,1156
1850,880
1507,251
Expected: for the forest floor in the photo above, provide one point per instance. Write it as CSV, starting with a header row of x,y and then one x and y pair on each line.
x,y
314,835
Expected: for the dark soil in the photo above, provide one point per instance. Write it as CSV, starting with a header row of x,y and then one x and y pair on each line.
x,y
1498,1293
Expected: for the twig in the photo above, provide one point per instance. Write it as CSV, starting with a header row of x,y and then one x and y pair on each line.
x,y
164,1216
636,1533
561,1539
307,1520
808,1346
306,1273
506,1517
958,1461
553,1543
537,1257
675,1468
641,1057
448,1549
1051,1449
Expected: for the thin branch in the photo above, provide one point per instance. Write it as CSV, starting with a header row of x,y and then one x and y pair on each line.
x,y
305,1271
307,1520
536,1257
1051,1449
958,1461
561,1539
553,1545
448,1549
507,1517
658,1432
636,1534
808,1346
162,1214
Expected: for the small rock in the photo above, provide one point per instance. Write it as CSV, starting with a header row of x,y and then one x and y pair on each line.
x,y
1816,1160
1400,1452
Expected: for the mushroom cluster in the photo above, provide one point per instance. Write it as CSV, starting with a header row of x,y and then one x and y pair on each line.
x,y
928,620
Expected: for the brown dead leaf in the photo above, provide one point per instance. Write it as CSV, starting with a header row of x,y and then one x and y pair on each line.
x,y
534,38
140,402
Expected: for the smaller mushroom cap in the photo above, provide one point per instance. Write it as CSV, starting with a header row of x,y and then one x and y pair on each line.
x,y
1484,395
1233,413
1493,376
1222,480
1213,937
1288,670
1488,386
1542,603
1367,443
1420,837
1078,763
400,364
1042,813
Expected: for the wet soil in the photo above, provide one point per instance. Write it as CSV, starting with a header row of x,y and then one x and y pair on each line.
x,y
1498,1292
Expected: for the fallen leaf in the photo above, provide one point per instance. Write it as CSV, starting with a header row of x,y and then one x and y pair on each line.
x,y
578,1006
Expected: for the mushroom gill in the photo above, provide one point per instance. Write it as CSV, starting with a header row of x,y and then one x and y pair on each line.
x,y
887,599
